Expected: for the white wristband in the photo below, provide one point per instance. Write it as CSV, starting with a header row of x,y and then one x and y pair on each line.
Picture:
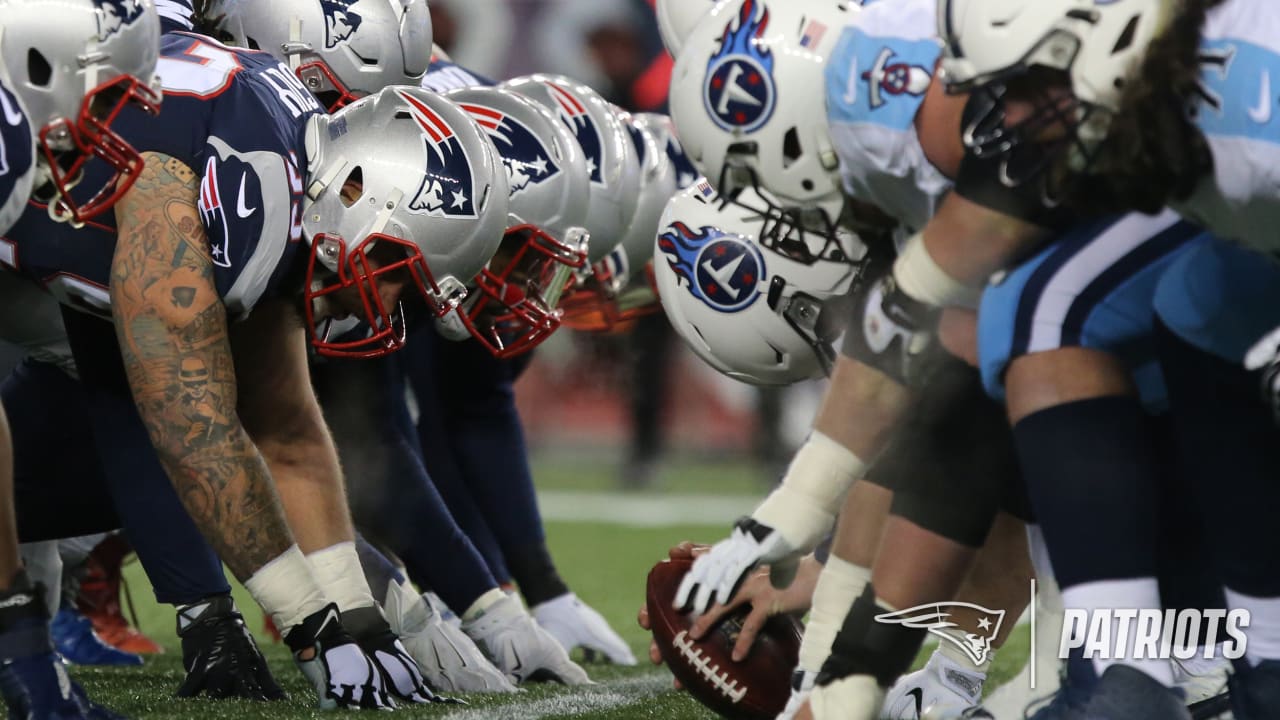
x,y
839,584
286,589
805,505
337,569
920,277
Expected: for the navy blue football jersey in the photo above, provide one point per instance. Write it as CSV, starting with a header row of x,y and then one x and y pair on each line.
x,y
236,119
17,158
175,15
443,76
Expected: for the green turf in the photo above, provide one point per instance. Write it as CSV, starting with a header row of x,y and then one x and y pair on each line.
x,y
606,566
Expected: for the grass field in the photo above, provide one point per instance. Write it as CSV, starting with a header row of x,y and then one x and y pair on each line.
x,y
605,563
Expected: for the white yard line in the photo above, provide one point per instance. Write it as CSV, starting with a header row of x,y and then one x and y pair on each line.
x,y
590,699
644,510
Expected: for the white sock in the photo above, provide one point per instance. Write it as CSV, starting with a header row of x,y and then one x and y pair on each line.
x,y
839,584
337,570
1264,625
1141,593
286,589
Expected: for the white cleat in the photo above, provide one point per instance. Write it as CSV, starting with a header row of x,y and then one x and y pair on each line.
x,y
575,624
448,658
857,697
801,686
522,649
1204,684
943,688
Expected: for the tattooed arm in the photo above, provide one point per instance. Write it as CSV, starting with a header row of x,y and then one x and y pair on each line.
x,y
281,414
172,328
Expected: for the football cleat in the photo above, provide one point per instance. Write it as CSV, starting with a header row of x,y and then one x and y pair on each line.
x,y
220,656
943,688
1255,692
575,624
801,687
337,668
522,649
450,660
1204,684
76,641
99,598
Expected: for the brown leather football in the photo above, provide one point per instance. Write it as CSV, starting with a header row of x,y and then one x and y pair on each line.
x,y
756,688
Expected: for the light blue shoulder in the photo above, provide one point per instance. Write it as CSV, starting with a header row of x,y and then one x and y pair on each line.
x,y
878,79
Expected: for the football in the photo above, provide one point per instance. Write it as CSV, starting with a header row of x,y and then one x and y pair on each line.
x,y
756,688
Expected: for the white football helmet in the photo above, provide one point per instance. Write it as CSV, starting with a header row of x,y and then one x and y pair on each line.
x,y
677,18
404,182
513,306
1097,44
611,160
76,64
340,49
740,303
748,97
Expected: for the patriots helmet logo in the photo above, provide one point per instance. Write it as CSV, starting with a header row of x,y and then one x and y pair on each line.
x,y
115,14
637,140
340,21
739,93
574,115
894,78
721,269
936,618
447,187
527,160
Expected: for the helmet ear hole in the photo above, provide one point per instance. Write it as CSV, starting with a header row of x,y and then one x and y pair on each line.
x,y
39,71
1126,37
791,150
353,187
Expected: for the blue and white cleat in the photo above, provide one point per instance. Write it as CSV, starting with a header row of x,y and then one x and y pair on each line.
x,y
74,639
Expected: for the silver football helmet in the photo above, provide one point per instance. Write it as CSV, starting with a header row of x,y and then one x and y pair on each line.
x,y
611,160
400,185
513,305
76,64
340,49
17,156
607,298
749,311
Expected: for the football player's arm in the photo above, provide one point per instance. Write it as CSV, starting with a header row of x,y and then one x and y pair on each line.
x,y
281,413
172,328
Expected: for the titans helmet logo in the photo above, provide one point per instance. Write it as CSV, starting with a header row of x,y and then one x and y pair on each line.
x,y
894,78
721,269
739,93
527,160
574,115
339,21
447,188
115,14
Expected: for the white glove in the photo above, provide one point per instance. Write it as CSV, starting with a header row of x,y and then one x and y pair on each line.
x,y
339,671
575,624
715,576
1265,356
398,668
521,648
450,660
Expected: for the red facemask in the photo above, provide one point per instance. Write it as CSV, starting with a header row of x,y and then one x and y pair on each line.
x,y
356,270
318,78
92,137
597,307
518,294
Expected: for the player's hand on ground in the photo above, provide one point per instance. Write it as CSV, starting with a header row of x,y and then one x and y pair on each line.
x,y
716,575
220,656
400,672
765,600
450,660
339,671
575,624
